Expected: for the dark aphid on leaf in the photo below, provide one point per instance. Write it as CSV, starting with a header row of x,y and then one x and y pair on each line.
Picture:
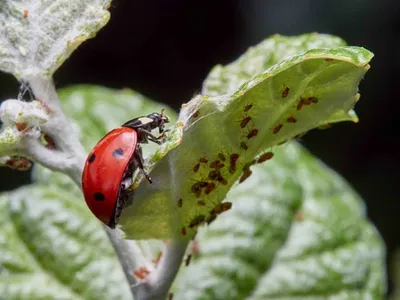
x,y
197,221
232,162
179,202
244,146
201,203
285,92
203,160
246,174
277,128
210,219
217,165
183,231
221,156
247,107
220,208
252,133
245,121
197,187
291,119
196,168
210,187
264,157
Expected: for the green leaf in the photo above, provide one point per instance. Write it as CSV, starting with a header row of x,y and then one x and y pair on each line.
x,y
52,248
306,91
296,231
37,36
226,79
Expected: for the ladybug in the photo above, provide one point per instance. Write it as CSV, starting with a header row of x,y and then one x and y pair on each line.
x,y
109,167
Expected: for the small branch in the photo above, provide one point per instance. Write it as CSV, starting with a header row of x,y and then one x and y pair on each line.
x,y
158,283
124,253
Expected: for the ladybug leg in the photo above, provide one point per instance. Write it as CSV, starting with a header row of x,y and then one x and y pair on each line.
x,y
147,135
140,162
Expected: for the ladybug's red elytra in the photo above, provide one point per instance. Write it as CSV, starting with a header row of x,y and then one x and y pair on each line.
x,y
109,167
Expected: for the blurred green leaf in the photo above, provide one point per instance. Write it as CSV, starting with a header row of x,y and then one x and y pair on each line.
x,y
296,231
52,248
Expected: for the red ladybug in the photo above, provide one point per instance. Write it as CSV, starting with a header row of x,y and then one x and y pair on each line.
x,y
109,167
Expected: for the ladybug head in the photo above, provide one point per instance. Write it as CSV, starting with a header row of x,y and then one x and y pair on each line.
x,y
158,120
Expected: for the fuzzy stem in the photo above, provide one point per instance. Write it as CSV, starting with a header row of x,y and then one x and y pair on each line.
x,y
159,281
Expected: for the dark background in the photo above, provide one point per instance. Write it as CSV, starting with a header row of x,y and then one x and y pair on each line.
x,y
165,48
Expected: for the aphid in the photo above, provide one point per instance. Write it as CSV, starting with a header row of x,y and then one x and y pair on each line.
x,y
232,167
50,144
285,92
300,104
277,128
252,133
247,107
245,121
203,160
217,165
179,202
141,273
197,221
246,174
196,187
243,145
18,163
196,114
170,296
210,187
223,181
210,219
201,203
196,168
234,157
21,126
220,208
328,59
26,12
214,175
188,258
221,156
183,231
264,157
157,260
291,119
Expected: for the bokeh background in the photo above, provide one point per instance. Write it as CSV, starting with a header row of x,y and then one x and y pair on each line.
x,y
165,48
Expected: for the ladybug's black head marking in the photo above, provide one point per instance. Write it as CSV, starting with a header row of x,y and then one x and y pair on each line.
x,y
99,196
158,120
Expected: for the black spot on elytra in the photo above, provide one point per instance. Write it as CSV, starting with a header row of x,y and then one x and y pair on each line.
x,y
98,196
118,152
91,158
